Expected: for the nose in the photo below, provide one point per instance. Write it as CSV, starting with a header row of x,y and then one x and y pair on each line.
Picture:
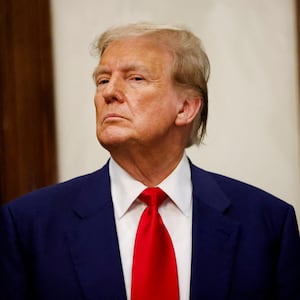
x,y
113,90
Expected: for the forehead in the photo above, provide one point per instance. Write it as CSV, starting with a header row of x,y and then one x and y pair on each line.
x,y
142,51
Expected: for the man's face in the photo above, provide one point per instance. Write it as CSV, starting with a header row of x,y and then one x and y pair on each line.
x,y
136,102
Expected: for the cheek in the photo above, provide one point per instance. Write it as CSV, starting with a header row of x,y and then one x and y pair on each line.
x,y
97,99
98,102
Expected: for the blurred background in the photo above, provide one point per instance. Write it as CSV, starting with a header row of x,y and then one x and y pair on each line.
x,y
47,110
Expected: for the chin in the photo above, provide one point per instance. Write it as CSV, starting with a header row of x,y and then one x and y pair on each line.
x,y
111,140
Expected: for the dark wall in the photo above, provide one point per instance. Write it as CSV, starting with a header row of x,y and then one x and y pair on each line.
x,y
27,136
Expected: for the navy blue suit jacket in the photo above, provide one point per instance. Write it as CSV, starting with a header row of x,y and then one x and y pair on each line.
x,y
60,243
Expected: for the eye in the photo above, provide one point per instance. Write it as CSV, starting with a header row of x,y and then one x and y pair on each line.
x,y
102,81
136,78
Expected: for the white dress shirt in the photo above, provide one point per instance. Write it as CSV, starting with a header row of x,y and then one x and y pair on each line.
x,y
176,213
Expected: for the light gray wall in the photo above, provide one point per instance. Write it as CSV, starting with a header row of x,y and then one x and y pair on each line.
x,y
253,132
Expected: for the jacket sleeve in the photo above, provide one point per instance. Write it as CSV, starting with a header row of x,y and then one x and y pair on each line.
x,y
288,267
13,277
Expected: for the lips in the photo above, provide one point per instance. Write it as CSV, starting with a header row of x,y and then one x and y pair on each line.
x,y
112,117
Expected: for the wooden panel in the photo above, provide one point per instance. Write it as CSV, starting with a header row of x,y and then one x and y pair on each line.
x,y
27,137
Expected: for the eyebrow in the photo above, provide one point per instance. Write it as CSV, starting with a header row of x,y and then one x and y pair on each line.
x,y
99,70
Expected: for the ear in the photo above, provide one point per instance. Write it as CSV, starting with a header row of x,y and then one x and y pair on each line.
x,y
188,110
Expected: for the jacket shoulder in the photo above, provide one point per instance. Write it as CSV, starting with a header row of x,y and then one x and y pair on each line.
x,y
60,194
241,194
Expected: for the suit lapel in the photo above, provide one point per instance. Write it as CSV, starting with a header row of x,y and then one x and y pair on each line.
x,y
94,245
214,239
93,242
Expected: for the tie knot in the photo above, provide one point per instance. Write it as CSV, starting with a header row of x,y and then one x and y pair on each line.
x,y
153,196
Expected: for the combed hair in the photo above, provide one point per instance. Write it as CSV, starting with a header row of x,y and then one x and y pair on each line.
x,y
190,68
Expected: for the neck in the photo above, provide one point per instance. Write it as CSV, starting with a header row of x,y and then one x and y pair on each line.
x,y
150,167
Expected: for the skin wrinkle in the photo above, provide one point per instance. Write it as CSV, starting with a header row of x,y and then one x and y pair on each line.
x,y
143,119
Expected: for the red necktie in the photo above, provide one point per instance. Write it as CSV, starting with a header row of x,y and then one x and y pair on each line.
x,y
154,270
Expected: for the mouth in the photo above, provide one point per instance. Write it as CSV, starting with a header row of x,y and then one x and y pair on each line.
x,y
112,117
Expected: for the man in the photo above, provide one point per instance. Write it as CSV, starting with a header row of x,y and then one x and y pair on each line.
x,y
81,239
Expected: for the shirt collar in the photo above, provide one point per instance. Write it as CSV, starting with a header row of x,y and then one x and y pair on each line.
x,y
125,189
